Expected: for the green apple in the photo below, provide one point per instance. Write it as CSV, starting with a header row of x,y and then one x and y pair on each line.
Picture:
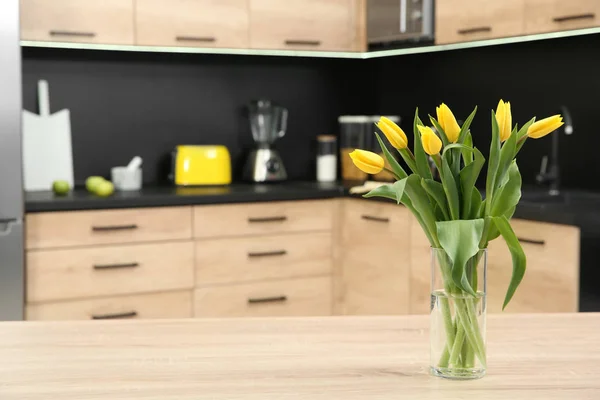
x,y
61,188
104,189
92,182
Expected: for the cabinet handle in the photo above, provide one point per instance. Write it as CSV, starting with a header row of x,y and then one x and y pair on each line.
x,y
376,219
268,219
574,17
114,228
204,39
474,30
274,299
130,314
268,253
72,33
116,266
314,43
532,241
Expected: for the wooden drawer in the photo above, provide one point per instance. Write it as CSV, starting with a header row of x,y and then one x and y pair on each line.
x,y
84,228
375,258
264,257
302,24
420,270
200,23
107,21
560,15
107,271
154,305
297,297
262,218
551,283
467,20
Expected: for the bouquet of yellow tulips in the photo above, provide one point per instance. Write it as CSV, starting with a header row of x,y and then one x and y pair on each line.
x,y
458,221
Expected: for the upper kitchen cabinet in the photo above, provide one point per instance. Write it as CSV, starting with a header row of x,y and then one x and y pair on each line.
x,y
467,20
560,15
196,23
107,21
327,25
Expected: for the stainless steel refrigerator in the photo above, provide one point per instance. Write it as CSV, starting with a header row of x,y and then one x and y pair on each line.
x,y
12,282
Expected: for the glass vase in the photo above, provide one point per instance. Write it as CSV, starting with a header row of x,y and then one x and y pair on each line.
x,y
457,331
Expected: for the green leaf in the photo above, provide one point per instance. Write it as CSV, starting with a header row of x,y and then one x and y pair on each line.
x,y
420,201
440,131
398,170
460,240
507,155
457,146
436,191
422,164
468,155
465,126
468,178
522,135
451,189
493,163
475,204
509,194
394,191
517,254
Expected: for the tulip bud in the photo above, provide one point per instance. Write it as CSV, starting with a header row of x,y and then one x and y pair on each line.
x,y
544,126
448,122
504,119
394,134
367,161
431,142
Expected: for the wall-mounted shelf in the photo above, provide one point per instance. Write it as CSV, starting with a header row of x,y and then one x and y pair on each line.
x,y
322,54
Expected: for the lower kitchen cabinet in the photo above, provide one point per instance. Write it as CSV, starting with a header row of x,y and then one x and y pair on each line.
x,y
285,298
176,304
374,257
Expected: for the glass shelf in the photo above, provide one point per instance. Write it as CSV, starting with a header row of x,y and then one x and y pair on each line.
x,y
302,53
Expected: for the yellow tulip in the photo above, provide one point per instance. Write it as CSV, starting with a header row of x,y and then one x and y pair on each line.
x,y
393,133
367,161
504,119
448,122
431,142
544,126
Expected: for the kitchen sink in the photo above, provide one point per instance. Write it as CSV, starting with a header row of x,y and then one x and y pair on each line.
x,y
574,198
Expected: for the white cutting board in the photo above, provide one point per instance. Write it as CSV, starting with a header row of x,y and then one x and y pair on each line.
x,y
47,152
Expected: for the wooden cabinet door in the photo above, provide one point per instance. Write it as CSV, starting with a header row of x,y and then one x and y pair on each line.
x,y
560,15
375,259
551,282
86,21
420,270
301,24
467,20
201,23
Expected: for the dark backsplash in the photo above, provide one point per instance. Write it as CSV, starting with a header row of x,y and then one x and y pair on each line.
x,y
126,104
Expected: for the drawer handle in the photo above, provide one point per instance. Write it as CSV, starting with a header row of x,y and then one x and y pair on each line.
x,y
314,43
274,299
204,39
376,219
532,241
268,253
268,219
479,29
108,228
116,266
130,314
574,17
72,33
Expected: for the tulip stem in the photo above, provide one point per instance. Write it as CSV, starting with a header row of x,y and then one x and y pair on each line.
x,y
392,172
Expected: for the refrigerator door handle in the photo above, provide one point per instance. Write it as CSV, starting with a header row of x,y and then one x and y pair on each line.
x,y
6,225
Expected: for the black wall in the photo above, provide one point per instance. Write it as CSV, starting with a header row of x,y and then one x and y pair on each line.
x,y
536,77
126,104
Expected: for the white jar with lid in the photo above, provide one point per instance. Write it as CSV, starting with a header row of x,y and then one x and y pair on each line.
x,y
326,158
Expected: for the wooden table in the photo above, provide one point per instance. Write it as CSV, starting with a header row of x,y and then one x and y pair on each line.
x,y
530,357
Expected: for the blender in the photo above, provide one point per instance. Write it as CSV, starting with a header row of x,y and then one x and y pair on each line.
x,y
268,122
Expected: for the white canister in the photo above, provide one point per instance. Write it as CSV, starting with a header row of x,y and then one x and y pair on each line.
x,y
326,158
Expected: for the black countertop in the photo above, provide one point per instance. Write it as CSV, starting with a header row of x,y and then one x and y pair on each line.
x,y
571,211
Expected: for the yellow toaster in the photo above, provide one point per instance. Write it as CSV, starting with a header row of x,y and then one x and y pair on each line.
x,y
201,165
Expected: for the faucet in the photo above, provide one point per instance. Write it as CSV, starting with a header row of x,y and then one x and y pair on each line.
x,y
551,173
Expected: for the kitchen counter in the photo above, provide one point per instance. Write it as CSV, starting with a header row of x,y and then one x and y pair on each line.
x,y
529,357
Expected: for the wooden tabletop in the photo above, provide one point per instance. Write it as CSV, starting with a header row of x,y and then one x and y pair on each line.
x,y
530,357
